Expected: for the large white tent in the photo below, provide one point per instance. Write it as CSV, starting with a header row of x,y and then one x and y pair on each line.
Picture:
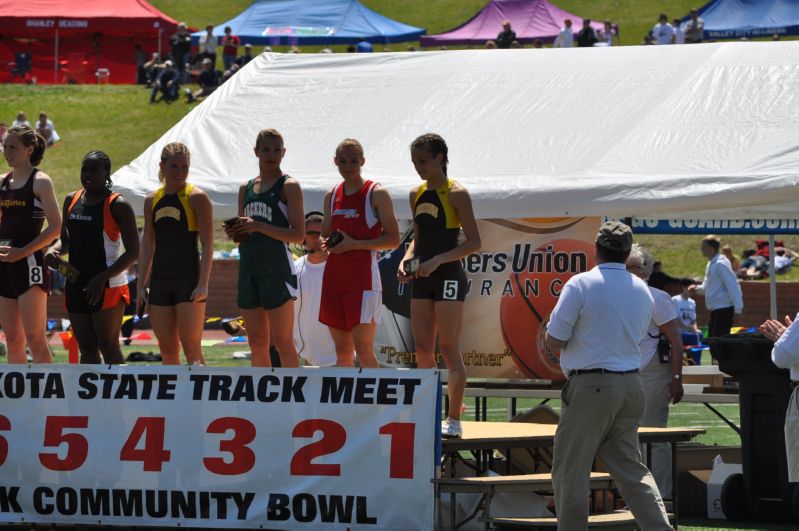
x,y
699,131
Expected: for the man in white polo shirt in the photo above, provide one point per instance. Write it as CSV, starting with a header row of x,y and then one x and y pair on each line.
x,y
785,354
597,325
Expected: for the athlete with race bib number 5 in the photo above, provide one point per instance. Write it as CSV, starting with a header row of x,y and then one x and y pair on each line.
x,y
441,208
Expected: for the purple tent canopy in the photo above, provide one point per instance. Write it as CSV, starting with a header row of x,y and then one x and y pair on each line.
x,y
530,19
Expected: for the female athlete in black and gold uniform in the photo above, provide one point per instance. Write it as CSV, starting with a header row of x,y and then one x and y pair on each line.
x,y
27,199
175,217
441,208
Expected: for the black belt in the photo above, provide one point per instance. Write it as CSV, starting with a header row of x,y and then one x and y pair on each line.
x,y
600,371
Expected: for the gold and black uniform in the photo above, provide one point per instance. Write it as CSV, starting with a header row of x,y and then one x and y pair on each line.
x,y
438,228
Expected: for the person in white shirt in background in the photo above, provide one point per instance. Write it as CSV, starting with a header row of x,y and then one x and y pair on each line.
x,y
208,44
565,38
22,119
686,308
312,339
607,35
661,368
597,325
46,128
679,33
663,32
721,289
785,354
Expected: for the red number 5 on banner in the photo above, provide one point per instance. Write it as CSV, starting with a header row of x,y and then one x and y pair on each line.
x,y
77,445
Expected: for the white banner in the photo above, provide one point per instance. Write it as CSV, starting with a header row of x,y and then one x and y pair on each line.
x,y
218,447
514,282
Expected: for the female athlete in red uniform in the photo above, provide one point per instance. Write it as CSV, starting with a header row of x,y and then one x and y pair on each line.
x,y
441,209
27,199
359,221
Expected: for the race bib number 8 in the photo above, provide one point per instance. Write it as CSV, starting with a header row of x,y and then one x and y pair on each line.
x,y
36,275
450,290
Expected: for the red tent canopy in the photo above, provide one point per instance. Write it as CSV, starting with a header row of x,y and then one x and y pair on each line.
x,y
70,41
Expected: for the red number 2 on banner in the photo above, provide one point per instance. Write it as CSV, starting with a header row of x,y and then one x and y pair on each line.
x,y
5,425
243,457
153,455
77,445
333,438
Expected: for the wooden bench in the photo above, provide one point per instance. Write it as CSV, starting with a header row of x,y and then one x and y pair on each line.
x,y
618,520
488,486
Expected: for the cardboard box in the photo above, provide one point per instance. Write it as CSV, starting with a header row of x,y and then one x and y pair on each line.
x,y
694,464
721,471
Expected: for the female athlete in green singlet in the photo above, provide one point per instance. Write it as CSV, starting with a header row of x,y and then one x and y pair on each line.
x,y
270,217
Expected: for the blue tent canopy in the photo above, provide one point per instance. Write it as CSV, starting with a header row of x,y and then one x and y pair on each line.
x,y
276,22
733,19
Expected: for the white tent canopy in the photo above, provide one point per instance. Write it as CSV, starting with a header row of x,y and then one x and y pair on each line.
x,y
693,131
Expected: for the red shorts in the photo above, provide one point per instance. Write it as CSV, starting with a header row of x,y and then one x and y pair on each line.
x,y
75,298
344,310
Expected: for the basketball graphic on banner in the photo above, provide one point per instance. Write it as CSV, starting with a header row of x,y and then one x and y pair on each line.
x,y
529,298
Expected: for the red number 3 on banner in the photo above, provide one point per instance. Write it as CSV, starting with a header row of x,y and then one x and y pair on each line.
x,y
243,457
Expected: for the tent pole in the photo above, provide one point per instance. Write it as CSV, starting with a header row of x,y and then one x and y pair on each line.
x,y
55,66
772,278
159,40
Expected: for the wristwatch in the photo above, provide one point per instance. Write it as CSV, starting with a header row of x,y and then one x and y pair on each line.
x,y
676,376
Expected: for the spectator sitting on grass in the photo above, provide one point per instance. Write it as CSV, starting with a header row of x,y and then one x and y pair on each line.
x,y
227,74
515,44
209,81
152,69
22,119
538,44
247,57
491,45
45,128
167,84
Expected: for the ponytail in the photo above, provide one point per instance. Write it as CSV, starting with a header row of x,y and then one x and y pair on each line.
x,y
28,137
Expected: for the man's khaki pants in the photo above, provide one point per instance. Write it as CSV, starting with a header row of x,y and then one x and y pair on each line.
x,y
599,418
656,379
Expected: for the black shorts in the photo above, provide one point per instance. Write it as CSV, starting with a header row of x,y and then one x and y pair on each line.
x,y
447,283
172,290
18,277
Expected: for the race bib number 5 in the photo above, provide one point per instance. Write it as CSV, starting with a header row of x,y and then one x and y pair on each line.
x,y
450,290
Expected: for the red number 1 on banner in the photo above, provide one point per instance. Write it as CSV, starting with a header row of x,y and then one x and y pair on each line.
x,y
5,425
402,439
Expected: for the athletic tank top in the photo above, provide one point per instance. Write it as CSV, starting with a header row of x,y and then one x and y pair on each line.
x,y
95,242
176,233
262,254
353,214
21,213
437,221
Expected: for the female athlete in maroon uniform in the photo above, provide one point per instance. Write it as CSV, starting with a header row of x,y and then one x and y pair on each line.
x,y
361,212
99,234
27,199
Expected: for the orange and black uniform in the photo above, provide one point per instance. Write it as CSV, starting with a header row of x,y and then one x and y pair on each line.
x,y
95,244
438,228
176,262
21,221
